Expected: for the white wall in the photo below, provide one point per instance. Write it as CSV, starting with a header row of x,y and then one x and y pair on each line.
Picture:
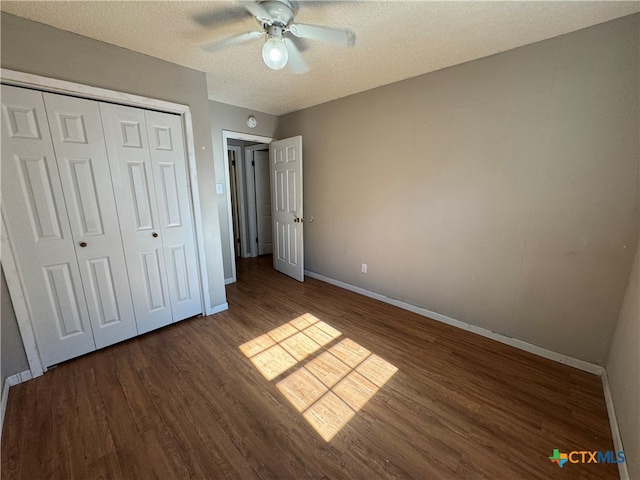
x,y
502,192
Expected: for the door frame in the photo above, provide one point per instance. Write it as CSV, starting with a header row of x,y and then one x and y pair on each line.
x,y
226,136
239,193
47,84
14,285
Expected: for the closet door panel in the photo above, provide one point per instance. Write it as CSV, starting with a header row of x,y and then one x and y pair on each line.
x,y
132,174
78,141
34,209
166,143
63,297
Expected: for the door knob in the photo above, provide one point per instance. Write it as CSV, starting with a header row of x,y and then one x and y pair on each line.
x,y
154,234
83,244
298,220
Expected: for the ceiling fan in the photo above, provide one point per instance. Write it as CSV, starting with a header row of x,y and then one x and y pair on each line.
x,y
276,17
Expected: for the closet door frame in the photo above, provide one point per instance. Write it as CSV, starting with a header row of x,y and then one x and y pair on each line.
x,y
14,282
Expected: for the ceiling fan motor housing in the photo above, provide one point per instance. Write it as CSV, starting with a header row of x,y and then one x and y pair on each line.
x,y
281,12
275,31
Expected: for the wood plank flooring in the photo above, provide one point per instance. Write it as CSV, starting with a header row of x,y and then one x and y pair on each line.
x,y
184,402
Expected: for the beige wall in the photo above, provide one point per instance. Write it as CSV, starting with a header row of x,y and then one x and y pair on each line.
x,y
502,192
14,358
623,368
233,119
39,49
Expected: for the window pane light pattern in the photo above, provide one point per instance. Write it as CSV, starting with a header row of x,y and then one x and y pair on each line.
x,y
329,389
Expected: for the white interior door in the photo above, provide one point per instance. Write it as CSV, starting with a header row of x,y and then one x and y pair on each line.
x,y
132,172
166,143
34,209
286,206
78,141
263,201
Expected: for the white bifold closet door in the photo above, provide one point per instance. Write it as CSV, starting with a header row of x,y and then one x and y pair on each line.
x,y
78,142
147,158
97,205
58,203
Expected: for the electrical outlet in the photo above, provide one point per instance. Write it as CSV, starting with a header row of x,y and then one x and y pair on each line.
x,y
364,268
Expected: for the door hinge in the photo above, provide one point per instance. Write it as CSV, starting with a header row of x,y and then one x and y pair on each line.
x,y
233,162
253,163
256,239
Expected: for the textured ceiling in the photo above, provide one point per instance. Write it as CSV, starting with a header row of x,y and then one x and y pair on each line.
x,y
395,39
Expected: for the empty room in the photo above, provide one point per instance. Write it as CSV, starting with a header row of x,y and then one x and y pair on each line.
x,y
320,240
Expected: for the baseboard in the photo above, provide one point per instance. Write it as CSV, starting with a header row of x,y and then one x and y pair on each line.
x,y
227,281
9,382
514,342
623,470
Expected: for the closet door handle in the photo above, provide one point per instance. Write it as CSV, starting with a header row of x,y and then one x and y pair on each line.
x,y
154,234
83,244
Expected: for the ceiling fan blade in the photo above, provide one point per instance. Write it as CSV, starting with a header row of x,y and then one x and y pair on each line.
x,y
296,62
258,11
336,36
220,17
300,43
314,3
228,42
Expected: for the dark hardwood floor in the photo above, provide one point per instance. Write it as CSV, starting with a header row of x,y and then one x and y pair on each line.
x,y
185,402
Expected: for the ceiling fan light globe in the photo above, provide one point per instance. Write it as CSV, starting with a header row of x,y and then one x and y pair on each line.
x,y
275,53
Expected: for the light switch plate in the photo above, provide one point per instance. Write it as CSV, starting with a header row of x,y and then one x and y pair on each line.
x,y
219,189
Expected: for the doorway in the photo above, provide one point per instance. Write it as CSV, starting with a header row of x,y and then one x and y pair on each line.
x,y
248,196
285,182
250,192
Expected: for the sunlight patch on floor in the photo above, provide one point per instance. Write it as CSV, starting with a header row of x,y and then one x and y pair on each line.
x,y
329,389
277,351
